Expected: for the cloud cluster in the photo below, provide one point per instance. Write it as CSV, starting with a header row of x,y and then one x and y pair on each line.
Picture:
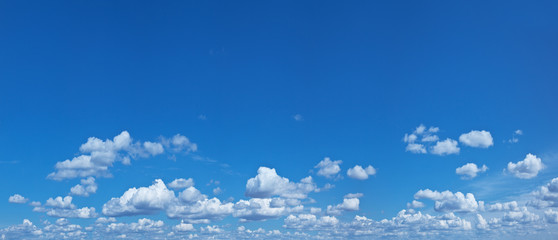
x,y
447,201
98,155
423,140
87,186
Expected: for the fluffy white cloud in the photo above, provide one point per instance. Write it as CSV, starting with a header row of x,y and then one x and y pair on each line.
x,y
415,204
328,168
426,135
143,200
153,148
200,211
357,172
86,187
16,198
526,169
85,212
546,196
551,216
447,201
348,204
470,170
59,202
267,184
183,227
309,222
481,139
446,147
263,208
181,183
415,148
180,143
507,206
98,155
143,225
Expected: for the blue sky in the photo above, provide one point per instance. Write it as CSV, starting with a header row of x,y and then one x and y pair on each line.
x,y
240,96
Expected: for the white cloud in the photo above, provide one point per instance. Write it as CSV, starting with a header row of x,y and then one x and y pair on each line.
x,y
526,169
430,138
507,206
348,204
257,209
551,216
200,211
546,196
475,138
447,201
298,117
98,155
446,147
415,204
426,135
357,172
267,184
415,148
354,195
309,222
183,227
181,183
153,148
217,191
143,200
86,187
180,143
16,198
59,202
470,170
143,225
328,168
85,212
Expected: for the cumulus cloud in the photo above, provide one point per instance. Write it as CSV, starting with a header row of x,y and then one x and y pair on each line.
x,y
470,170
526,169
475,138
180,143
86,187
446,147
328,168
183,227
16,198
415,204
263,208
420,134
415,148
348,204
546,196
143,200
298,117
309,222
267,184
357,172
98,155
181,183
142,225
447,201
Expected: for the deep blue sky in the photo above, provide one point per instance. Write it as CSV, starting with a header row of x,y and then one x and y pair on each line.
x,y
361,75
